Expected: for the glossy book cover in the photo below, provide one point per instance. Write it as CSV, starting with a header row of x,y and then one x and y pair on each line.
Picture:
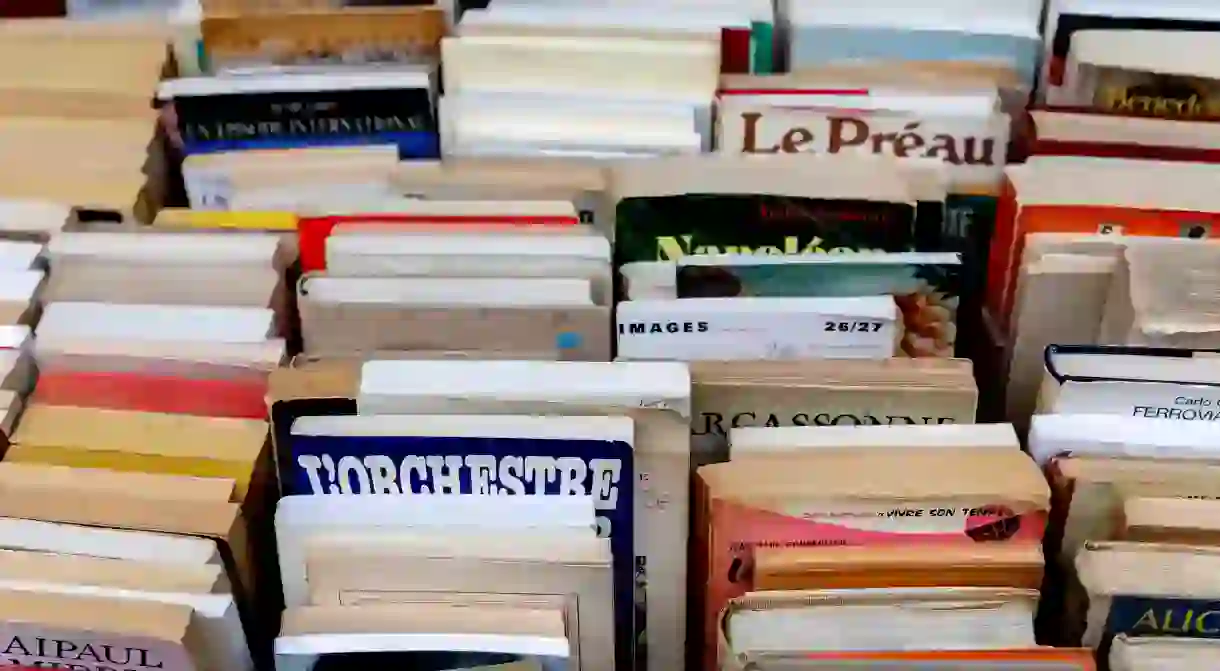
x,y
666,228
926,287
603,469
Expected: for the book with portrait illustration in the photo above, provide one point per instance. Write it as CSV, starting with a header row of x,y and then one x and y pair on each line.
x,y
925,286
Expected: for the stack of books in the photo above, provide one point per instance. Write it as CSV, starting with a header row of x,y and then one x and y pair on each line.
x,y
76,127
517,279
700,285
138,479
931,534
554,86
501,486
1127,439
1099,251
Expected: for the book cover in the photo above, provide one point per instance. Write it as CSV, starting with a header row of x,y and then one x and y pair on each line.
x,y
731,329
926,287
973,148
246,117
1150,94
431,465
1159,616
666,228
153,393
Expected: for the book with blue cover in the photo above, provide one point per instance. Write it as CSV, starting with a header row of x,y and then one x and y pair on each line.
x,y
479,454
315,108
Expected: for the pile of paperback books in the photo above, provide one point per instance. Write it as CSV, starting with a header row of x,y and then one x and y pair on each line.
x,y
610,335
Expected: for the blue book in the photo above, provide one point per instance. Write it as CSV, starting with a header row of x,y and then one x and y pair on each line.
x,y
482,454
311,109
816,45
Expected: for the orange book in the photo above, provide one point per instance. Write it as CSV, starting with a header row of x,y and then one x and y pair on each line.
x,y
1091,196
153,393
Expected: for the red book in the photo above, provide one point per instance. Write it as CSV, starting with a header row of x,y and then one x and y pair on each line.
x,y
312,232
154,393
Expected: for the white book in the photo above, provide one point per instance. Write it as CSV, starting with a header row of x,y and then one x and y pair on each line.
x,y
210,360
388,386
450,291
467,254
1116,436
157,322
14,336
1132,382
757,439
487,62
297,518
19,215
178,248
950,618
557,427
20,286
757,328
19,255
36,536
1163,653
473,123
295,82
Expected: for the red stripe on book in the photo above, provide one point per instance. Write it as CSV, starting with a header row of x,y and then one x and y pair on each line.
x,y
154,393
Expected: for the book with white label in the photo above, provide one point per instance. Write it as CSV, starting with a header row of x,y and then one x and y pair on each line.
x,y
757,328
1141,382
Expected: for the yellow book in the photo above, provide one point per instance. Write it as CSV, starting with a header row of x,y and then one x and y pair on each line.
x,y
149,442
242,221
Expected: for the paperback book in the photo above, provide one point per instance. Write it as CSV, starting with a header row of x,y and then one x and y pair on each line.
x,y
925,287
343,456
667,228
294,110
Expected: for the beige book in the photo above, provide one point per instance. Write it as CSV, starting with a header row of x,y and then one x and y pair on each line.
x,y
764,623
104,480
177,285
588,586
1134,130
138,510
731,395
1061,298
472,627
141,441
1165,294
59,629
577,333
1180,521
150,576
1163,653
1110,570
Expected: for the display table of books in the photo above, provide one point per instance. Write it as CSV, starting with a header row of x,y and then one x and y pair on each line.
x,y
609,335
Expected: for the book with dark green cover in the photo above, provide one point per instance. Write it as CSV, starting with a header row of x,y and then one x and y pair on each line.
x,y
926,287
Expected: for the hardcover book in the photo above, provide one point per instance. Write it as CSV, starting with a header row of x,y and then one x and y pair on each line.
x,y
284,111
506,455
925,287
